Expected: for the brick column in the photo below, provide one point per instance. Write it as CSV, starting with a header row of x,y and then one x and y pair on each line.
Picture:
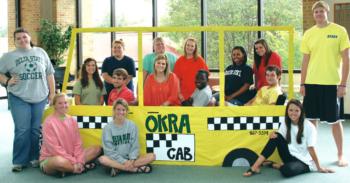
x,y
308,19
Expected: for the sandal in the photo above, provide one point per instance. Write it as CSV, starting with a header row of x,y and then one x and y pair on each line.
x,y
250,173
90,166
114,172
144,169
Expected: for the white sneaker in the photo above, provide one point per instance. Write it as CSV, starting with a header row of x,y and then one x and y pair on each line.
x,y
17,168
34,163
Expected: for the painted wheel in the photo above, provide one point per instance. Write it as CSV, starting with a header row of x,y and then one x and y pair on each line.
x,y
240,157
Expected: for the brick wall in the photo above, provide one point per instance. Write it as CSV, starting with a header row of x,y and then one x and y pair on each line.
x,y
308,20
11,23
30,17
64,12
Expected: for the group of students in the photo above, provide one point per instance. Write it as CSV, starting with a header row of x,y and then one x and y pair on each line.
x,y
168,80
325,47
239,77
184,81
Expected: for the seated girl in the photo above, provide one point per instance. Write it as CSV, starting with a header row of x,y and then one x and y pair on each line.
x,y
295,142
121,144
268,95
62,150
89,90
161,87
238,78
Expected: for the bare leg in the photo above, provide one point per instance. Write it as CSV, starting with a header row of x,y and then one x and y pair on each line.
x,y
145,159
91,153
141,161
256,166
106,161
315,122
58,164
337,130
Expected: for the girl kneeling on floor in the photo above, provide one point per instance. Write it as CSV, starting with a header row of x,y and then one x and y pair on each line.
x,y
121,144
295,142
62,149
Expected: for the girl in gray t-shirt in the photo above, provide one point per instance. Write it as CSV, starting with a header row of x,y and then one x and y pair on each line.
x,y
121,145
29,86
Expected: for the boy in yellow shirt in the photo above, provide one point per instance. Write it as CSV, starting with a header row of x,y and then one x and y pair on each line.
x,y
325,47
267,95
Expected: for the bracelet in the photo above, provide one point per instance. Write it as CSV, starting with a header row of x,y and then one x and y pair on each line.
x,y
342,86
302,84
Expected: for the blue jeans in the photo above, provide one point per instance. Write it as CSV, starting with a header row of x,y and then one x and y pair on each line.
x,y
232,101
27,119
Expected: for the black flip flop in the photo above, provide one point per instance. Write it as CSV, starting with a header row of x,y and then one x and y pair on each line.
x,y
144,169
90,166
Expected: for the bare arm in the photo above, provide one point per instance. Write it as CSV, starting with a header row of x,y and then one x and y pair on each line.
x,y
314,157
345,73
250,101
3,78
9,81
243,89
145,74
107,78
102,100
304,66
77,99
128,79
51,82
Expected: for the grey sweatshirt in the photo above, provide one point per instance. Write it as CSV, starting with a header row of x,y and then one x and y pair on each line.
x,y
31,66
121,143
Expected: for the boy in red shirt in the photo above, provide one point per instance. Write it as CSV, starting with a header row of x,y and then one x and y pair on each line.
x,y
120,90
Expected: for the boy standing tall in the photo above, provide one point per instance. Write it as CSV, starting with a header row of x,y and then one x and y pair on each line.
x,y
325,46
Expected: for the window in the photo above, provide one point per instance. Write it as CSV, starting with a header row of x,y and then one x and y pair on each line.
x,y
230,13
3,27
96,45
179,13
290,14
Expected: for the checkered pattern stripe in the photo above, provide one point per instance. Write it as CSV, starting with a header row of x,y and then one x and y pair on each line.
x,y
92,122
245,123
153,140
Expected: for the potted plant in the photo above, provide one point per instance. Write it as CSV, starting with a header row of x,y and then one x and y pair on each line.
x,y
54,39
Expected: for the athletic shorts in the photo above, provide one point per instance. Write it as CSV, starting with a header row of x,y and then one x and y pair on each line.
x,y
321,103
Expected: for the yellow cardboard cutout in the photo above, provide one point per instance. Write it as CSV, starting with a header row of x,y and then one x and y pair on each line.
x,y
214,136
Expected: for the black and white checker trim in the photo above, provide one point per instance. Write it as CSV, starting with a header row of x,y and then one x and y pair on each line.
x,y
245,123
154,140
92,122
